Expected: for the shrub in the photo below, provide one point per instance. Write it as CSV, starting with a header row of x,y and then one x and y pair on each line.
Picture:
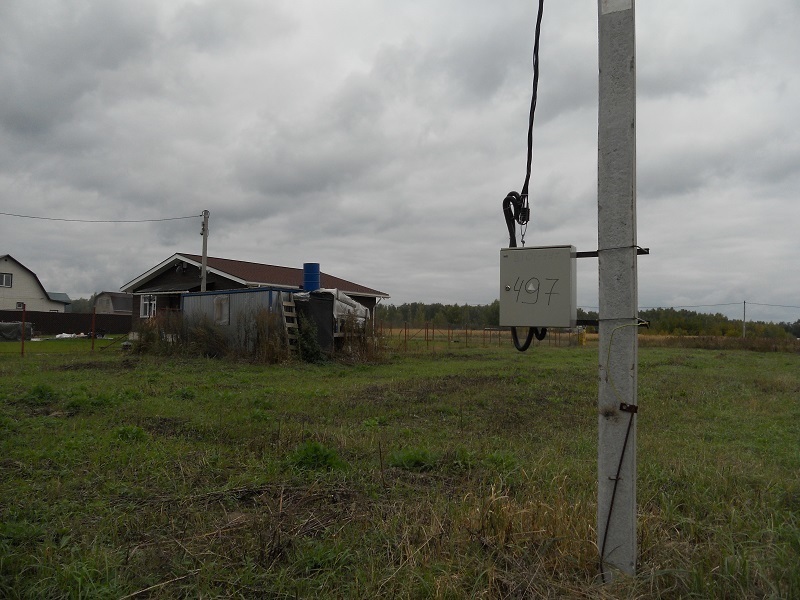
x,y
271,342
307,342
359,341
206,338
165,333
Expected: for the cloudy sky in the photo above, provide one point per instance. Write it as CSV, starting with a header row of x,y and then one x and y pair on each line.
x,y
379,138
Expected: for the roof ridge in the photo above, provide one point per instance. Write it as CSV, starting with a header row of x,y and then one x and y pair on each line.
x,y
249,273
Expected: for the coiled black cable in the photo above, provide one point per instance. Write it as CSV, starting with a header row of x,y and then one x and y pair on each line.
x,y
515,205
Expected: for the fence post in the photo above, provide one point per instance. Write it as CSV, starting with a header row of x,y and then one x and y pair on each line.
x,y
23,330
94,311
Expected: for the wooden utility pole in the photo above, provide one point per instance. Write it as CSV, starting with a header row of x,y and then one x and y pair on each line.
x,y
618,297
744,319
204,260
22,347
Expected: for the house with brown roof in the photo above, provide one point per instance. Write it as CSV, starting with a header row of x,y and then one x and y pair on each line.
x,y
159,289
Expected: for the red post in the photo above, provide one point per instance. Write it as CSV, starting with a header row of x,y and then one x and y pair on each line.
x,y
94,312
23,330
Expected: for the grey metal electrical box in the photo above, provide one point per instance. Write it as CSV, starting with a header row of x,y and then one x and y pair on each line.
x,y
538,287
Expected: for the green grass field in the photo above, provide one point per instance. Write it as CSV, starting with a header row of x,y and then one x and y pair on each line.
x,y
469,474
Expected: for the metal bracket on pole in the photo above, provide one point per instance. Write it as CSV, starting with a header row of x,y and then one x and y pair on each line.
x,y
596,253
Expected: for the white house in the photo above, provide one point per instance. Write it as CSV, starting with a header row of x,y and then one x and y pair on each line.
x,y
19,285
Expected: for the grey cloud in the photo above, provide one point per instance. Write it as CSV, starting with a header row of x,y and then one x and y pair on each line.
x,y
386,143
211,27
53,57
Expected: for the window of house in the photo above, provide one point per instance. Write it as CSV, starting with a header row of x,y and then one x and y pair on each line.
x,y
222,310
147,308
5,279
20,305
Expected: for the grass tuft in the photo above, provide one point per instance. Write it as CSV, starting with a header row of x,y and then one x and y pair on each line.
x,y
314,456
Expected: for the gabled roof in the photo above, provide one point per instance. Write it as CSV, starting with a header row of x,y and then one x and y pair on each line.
x,y
119,301
59,297
253,275
55,297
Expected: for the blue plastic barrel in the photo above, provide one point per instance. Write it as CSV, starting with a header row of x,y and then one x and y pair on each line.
x,y
311,277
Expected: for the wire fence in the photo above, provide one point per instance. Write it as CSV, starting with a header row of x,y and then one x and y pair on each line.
x,y
440,338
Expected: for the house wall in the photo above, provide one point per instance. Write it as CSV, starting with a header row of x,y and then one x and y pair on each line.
x,y
165,303
189,280
104,306
240,304
24,288
180,279
235,312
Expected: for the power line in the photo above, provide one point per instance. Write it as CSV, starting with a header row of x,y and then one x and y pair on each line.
x,y
99,220
693,305
772,305
667,307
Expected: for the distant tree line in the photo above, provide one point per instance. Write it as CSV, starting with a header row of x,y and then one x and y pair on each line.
x,y
662,321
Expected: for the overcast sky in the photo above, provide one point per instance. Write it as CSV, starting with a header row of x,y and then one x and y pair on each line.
x,y
379,138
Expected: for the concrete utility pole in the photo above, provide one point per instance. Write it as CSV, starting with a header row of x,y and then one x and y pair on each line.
x,y
204,263
617,250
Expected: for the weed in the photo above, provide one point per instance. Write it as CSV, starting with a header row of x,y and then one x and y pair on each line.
x,y
379,421
261,416
413,459
185,394
130,433
41,395
314,456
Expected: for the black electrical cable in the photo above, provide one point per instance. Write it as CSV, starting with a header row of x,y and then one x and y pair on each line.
x,y
515,205
613,497
5,214
512,205
524,192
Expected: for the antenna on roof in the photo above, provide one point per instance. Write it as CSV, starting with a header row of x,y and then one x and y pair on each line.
x,y
204,263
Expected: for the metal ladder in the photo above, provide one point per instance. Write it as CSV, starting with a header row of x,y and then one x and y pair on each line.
x,y
290,320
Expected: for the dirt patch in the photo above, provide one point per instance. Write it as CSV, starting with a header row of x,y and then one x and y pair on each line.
x,y
98,365
168,426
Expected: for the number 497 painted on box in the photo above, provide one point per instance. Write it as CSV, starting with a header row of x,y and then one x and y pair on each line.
x,y
532,287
